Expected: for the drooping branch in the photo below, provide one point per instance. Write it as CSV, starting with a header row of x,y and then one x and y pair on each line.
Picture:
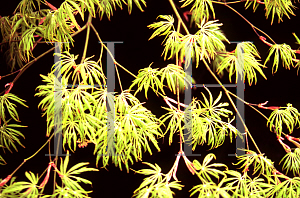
x,y
23,69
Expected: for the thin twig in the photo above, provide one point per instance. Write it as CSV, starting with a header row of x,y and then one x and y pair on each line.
x,y
25,160
253,26
178,16
87,37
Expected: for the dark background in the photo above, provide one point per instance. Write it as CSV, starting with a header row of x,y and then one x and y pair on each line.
x,y
135,53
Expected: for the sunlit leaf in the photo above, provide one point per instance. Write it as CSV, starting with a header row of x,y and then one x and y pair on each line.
x,y
286,55
242,62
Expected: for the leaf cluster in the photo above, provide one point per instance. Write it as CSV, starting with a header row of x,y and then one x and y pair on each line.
x,y
279,8
205,43
134,127
88,112
230,184
9,136
156,185
200,10
206,125
292,162
283,51
242,62
31,24
70,183
261,164
285,115
275,7
155,78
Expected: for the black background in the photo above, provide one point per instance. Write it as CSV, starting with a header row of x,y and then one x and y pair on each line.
x,y
135,53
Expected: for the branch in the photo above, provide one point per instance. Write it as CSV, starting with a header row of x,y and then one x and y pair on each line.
x,y
3,182
23,69
87,37
50,5
108,51
252,26
178,16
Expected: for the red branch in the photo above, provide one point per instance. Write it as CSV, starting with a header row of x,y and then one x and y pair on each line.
x,y
261,105
47,176
54,166
51,6
286,147
34,45
293,140
42,20
4,181
174,169
10,86
189,164
263,39
185,14
28,191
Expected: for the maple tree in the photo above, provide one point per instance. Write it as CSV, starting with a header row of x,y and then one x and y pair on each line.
x,y
85,110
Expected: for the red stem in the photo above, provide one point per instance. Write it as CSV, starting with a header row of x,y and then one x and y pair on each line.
x,y
54,166
263,39
10,86
34,45
185,14
27,191
286,147
47,176
292,139
51,6
4,181
261,105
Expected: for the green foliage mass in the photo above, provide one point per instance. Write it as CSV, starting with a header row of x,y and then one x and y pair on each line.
x,y
75,100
